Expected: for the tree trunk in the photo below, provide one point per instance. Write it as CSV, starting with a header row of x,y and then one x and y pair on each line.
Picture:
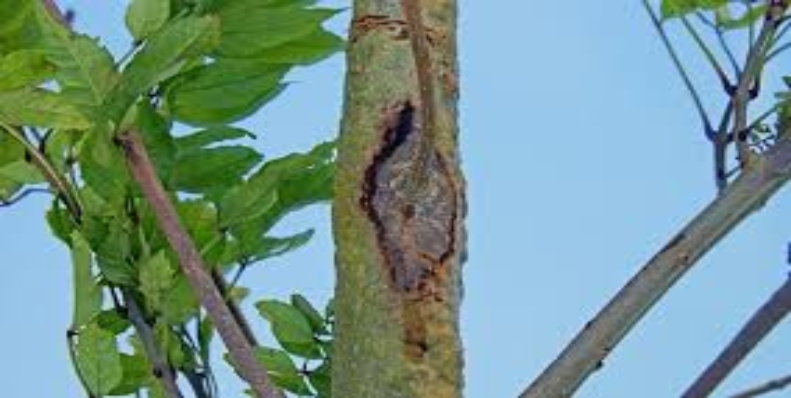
x,y
399,206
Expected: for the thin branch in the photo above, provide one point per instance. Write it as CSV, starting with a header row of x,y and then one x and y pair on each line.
x,y
585,354
765,388
777,51
681,70
48,171
753,66
753,332
22,195
200,380
707,53
161,369
232,333
720,145
225,289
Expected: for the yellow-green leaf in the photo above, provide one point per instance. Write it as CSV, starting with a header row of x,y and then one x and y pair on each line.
x,y
242,86
144,17
87,292
24,68
98,360
40,108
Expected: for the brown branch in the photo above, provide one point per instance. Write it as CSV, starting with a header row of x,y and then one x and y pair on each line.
x,y
753,332
241,351
769,386
159,365
754,186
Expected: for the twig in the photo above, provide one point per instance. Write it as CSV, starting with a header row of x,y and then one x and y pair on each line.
x,y
751,189
769,386
22,195
753,332
707,53
159,365
681,70
48,171
225,289
720,145
720,33
240,349
753,67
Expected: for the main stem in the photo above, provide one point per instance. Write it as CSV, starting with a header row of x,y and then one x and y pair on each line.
x,y
241,351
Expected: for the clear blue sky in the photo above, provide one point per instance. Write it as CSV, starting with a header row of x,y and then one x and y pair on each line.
x,y
583,155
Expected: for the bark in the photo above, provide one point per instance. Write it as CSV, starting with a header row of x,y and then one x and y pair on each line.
x,y
399,207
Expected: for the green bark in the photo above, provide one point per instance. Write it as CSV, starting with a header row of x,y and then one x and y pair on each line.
x,y
400,244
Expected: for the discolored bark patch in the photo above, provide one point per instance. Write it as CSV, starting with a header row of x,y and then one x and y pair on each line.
x,y
415,226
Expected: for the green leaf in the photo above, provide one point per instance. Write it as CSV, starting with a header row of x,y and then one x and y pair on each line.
x,y
200,220
156,277
103,166
242,86
87,292
144,17
24,68
40,108
180,303
15,170
58,220
282,370
99,360
19,29
179,355
85,70
208,169
304,50
313,316
165,53
290,327
110,243
136,375
280,186
321,380
210,136
251,26
252,247
679,8
112,321
245,201
749,17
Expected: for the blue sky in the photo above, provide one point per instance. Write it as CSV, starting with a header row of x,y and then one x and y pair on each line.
x,y
583,155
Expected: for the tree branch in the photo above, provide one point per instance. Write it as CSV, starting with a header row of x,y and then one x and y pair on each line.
x,y
241,351
161,369
770,386
753,67
754,186
753,332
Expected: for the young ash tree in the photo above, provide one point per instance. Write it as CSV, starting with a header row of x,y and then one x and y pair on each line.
x,y
162,225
